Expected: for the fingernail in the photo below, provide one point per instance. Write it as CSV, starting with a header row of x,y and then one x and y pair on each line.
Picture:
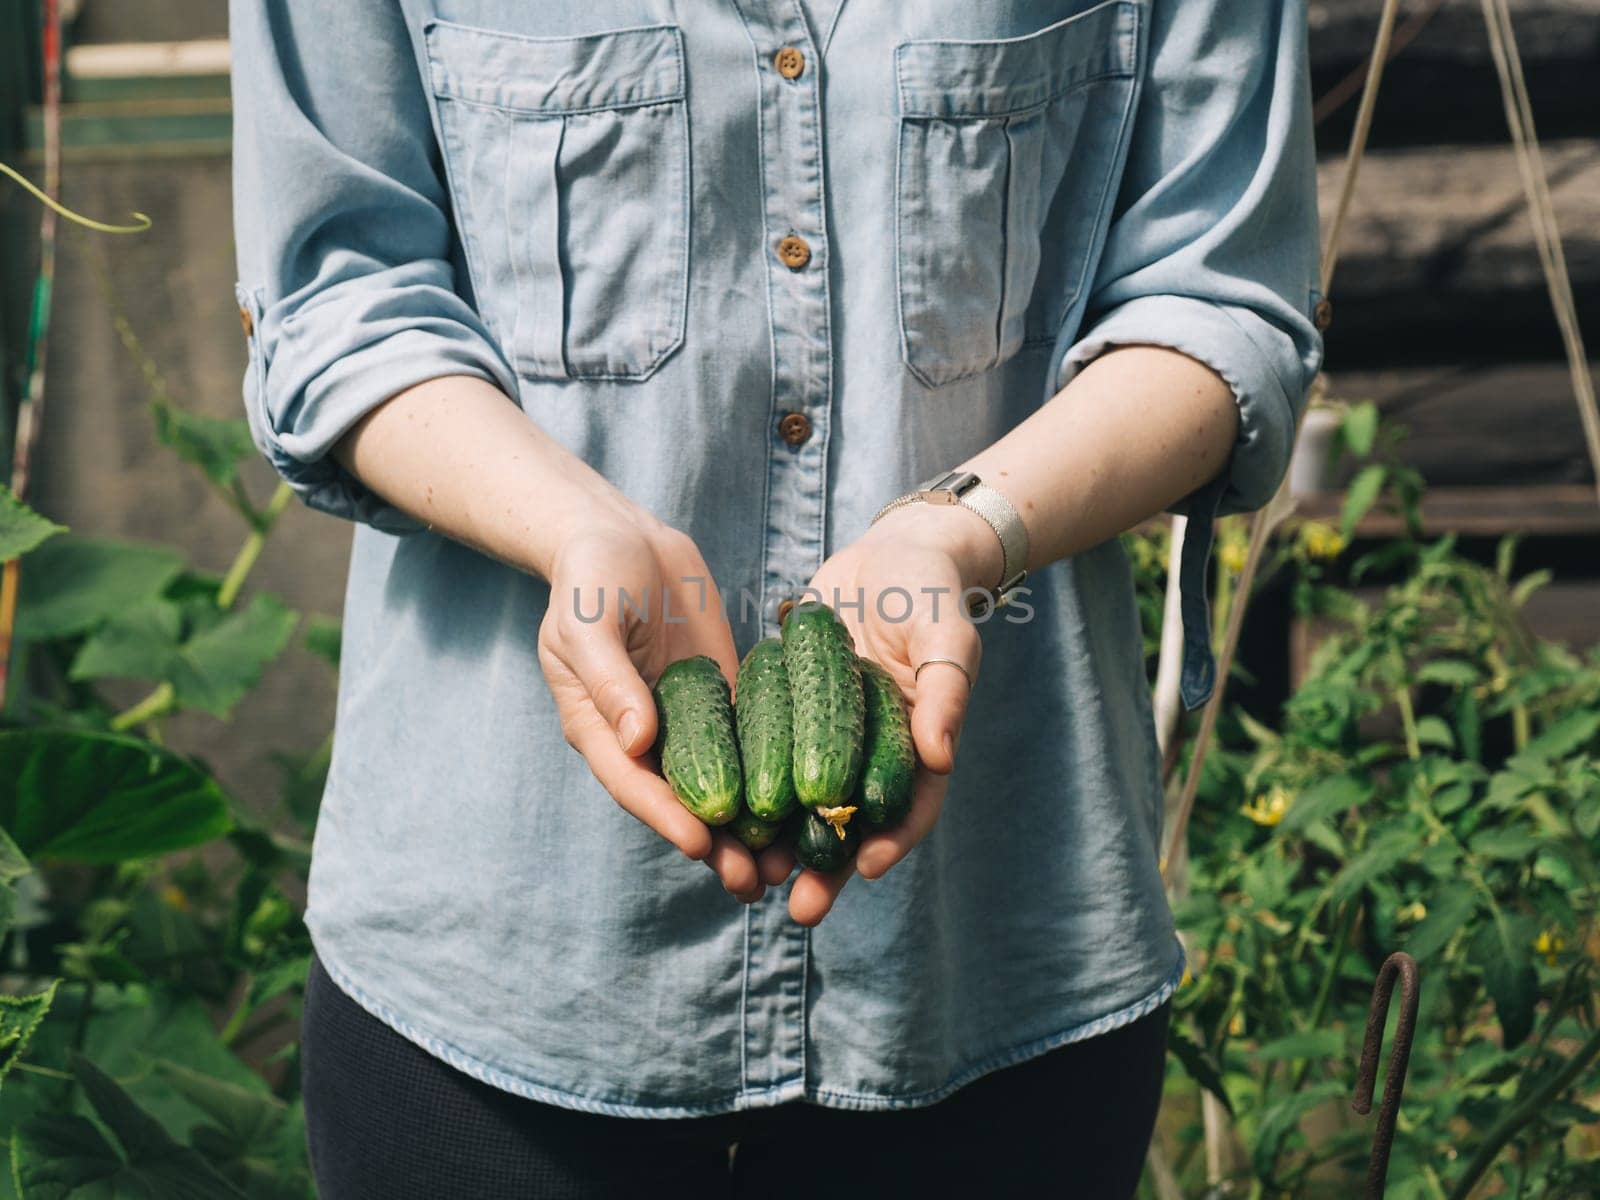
x,y
950,747
628,730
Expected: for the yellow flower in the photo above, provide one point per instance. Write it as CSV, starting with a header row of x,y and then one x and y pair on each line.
x,y
1232,555
1187,978
1270,808
1550,944
1414,911
175,897
1321,540
1236,1025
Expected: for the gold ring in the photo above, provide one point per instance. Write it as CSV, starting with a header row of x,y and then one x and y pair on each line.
x,y
951,661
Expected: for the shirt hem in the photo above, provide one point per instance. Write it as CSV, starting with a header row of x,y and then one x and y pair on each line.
x,y
782,1093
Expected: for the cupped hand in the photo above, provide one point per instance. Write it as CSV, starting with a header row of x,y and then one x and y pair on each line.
x,y
899,591
628,596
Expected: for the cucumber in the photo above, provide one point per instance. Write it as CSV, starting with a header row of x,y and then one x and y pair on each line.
x,y
884,793
753,831
823,846
829,709
765,714
696,741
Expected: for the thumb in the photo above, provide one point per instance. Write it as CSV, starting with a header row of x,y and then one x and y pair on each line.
x,y
599,659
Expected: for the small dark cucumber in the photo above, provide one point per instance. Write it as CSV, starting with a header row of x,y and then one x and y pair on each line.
x,y
822,846
884,793
829,709
765,713
753,831
696,740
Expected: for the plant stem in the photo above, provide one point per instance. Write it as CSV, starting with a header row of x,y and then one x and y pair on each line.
x,y
1408,716
236,1020
1522,1115
1519,726
157,704
251,550
1341,942
48,1072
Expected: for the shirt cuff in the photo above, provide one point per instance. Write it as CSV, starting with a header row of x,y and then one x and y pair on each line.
x,y
1255,359
296,426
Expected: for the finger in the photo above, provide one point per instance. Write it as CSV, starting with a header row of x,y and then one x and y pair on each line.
x,y
639,790
880,851
734,863
942,690
813,893
775,864
596,655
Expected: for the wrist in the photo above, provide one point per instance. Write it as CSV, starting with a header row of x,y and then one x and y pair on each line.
x,y
954,530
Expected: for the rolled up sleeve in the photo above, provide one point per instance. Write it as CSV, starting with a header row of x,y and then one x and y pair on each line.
x,y
343,239
1213,249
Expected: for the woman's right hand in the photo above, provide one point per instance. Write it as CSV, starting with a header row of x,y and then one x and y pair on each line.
x,y
598,651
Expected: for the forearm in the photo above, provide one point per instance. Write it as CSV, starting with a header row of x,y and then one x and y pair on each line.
x,y
457,454
1136,430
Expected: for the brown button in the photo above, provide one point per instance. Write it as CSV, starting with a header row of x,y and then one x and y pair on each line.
x,y
784,609
1324,314
793,252
245,321
795,428
790,62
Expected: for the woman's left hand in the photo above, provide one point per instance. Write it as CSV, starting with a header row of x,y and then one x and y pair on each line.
x,y
899,591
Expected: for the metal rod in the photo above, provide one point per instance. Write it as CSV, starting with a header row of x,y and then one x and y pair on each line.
x,y
1403,967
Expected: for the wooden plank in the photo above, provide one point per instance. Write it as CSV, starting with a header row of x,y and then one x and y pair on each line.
x,y
1477,424
136,123
1558,510
1438,261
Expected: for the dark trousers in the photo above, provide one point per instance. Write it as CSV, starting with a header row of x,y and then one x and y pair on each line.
x,y
386,1120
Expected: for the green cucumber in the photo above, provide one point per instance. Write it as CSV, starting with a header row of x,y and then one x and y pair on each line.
x,y
823,846
765,713
696,740
829,709
884,793
753,831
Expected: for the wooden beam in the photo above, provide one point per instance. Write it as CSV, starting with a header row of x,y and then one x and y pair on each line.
x,y
1558,510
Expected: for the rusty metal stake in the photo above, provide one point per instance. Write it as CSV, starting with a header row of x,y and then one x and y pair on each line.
x,y
1402,966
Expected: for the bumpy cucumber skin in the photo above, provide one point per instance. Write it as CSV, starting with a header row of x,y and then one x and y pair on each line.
x,y
753,831
829,708
764,711
884,793
696,740
818,845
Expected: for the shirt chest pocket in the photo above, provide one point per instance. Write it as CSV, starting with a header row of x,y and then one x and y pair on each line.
x,y
568,166
1007,158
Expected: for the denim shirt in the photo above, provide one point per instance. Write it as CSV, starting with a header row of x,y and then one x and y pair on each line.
x,y
591,203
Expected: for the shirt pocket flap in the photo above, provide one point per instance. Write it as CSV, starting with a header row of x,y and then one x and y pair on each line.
x,y
942,79
626,68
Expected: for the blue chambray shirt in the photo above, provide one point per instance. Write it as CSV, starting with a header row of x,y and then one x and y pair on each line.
x,y
582,202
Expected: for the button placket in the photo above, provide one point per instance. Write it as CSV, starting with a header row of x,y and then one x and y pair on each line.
x,y
795,258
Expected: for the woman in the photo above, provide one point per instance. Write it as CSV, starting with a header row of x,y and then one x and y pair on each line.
x,y
612,326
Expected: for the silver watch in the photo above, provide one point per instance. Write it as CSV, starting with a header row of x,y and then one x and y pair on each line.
x,y
966,489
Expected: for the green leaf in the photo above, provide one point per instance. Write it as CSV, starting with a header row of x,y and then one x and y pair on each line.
x,y
1432,731
56,1155
1360,496
1452,672
21,529
74,583
1283,1119
1203,1068
1567,736
1379,858
216,445
1360,427
138,644
1509,844
13,863
19,1019
216,668
323,638
1502,949
102,798
1324,799
1449,910
244,1121
1529,584
1310,1043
